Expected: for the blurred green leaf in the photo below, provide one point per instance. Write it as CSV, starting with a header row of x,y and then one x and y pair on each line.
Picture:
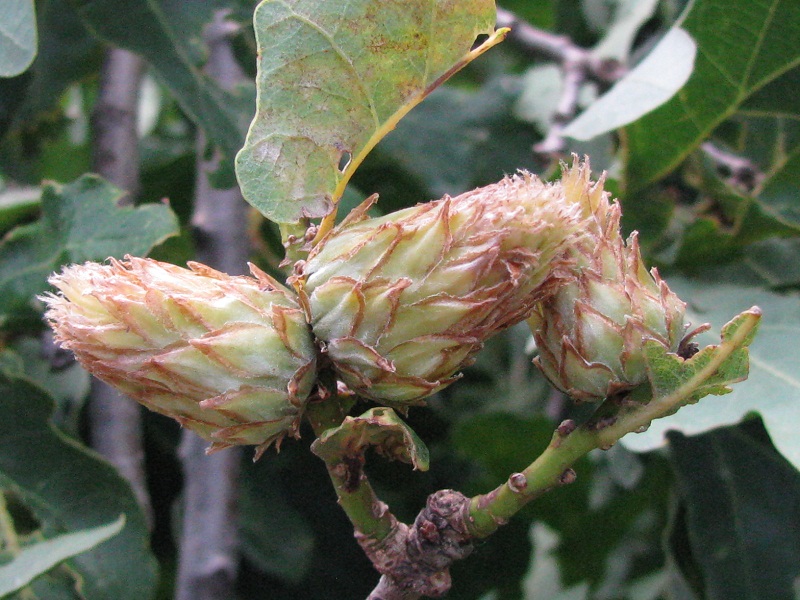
x,y
458,139
80,221
705,242
776,98
502,443
333,80
649,85
68,53
267,520
40,557
57,373
727,221
773,145
742,47
780,192
70,489
772,263
17,36
772,388
544,579
16,205
542,13
742,500
168,35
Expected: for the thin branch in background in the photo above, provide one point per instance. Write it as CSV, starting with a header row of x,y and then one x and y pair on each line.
x,y
115,142
578,65
116,431
740,173
208,546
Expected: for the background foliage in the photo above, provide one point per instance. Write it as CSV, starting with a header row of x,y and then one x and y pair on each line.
x,y
711,179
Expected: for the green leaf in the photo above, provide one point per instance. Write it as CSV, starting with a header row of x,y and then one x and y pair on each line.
x,y
379,427
80,221
742,46
711,370
649,85
40,557
540,14
333,79
772,263
773,144
56,372
67,54
17,205
457,140
501,443
168,35
776,98
17,36
728,222
69,489
741,499
267,519
772,388
778,193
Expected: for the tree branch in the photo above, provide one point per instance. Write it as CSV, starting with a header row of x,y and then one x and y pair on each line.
x,y
115,142
559,48
370,517
115,420
209,541
739,172
208,549
578,65
415,561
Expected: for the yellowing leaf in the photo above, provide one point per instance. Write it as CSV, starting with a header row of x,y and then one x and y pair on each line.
x,y
333,79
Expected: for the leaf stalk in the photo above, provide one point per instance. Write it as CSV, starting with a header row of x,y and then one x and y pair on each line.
x,y
370,517
329,220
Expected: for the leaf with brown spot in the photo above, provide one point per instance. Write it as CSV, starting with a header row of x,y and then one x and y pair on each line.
x,y
333,79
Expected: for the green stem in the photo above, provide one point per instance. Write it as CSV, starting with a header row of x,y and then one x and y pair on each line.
x,y
293,239
366,512
325,414
551,469
612,420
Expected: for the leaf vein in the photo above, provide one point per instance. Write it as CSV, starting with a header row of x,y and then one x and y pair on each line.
x,y
777,373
